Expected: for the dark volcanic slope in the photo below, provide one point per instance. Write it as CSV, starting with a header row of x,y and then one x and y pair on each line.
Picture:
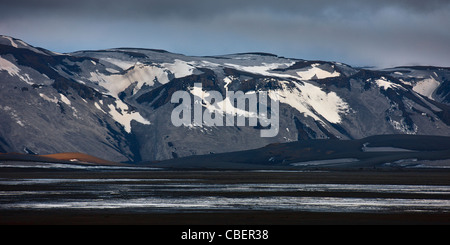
x,y
385,151
116,104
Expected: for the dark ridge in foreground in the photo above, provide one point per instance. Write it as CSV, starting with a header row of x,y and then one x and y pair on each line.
x,y
382,151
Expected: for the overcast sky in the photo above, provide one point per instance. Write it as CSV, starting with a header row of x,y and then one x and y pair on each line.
x,y
379,33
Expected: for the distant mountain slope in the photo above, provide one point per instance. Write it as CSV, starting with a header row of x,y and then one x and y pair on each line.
x,y
116,104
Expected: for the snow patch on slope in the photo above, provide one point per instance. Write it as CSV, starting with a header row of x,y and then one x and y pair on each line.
x,y
316,72
426,87
98,107
403,127
117,83
223,107
45,97
111,70
141,74
122,115
264,69
65,99
179,68
312,101
123,64
13,70
385,84
308,99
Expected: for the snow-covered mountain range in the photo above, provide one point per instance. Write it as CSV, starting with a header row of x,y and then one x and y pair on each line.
x,y
116,104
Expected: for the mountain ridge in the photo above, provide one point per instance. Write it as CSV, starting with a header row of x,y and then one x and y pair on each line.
x,y
115,103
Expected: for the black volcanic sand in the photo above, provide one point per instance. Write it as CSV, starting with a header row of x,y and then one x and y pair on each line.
x,y
124,217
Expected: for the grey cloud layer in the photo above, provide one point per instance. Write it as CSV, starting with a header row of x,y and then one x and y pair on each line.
x,y
354,31
207,8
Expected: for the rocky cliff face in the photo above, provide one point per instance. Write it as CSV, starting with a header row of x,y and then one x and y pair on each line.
x,y
116,104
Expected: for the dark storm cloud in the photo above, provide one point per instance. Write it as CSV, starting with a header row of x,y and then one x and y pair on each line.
x,y
206,8
378,32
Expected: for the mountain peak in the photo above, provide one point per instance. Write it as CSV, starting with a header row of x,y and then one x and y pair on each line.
x,y
19,44
14,42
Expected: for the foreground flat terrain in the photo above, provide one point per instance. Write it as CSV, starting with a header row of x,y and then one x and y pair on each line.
x,y
225,216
